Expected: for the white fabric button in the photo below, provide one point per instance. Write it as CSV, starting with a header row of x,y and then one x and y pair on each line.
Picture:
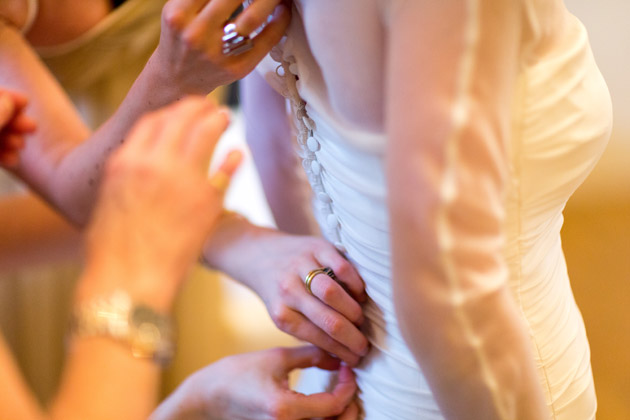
x,y
312,144
316,167
340,247
309,123
332,221
302,138
324,198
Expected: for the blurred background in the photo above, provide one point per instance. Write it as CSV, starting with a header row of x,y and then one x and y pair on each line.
x,y
596,234
217,317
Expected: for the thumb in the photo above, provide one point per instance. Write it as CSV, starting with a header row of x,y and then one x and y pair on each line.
x,y
307,356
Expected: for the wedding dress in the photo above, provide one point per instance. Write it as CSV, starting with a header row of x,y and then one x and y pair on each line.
x,y
331,67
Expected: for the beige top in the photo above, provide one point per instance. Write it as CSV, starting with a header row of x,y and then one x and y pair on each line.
x,y
98,68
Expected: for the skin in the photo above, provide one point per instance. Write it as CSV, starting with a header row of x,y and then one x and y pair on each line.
x,y
420,84
66,164
169,152
15,125
63,160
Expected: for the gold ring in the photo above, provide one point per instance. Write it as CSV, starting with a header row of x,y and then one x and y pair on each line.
x,y
220,181
311,275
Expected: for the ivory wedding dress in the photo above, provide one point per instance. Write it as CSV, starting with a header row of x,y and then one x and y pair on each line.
x,y
331,67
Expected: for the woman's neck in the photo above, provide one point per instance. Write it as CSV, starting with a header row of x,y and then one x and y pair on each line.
x,y
60,21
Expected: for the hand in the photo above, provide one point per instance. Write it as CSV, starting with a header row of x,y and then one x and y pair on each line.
x,y
274,265
14,125
156,205
256,386
189,56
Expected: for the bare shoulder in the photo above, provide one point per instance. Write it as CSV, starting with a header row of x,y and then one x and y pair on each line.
x,y
14,12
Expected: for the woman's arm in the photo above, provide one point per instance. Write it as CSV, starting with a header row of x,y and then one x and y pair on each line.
x,y
269,137
126,252
57,161
167,154
451,75
33,233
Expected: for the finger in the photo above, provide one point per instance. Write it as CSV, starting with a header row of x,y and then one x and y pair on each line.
x,y
221,179
7,108
299,326
178,13
178,123
9,159
14,142
211,19
19,100
217,11
344,271
351,412
334,324
270,36
326,404
255,15
22,124
205,135
305,357
335,296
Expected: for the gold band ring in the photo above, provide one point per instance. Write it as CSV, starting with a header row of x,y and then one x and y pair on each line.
x,y
311,275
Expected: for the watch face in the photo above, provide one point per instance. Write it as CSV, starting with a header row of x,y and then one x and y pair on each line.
x,y
151,334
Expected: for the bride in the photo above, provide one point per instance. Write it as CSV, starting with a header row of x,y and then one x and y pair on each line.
x,y
442,141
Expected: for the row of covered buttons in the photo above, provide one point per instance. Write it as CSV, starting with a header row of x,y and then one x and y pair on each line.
x,y
309,145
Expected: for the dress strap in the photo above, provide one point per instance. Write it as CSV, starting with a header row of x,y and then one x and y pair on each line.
x,y
31,15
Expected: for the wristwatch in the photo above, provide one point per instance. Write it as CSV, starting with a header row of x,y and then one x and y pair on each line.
x,y
148,334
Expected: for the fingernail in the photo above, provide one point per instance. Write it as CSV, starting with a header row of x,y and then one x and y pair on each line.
x,y
226,112
345,373
235,157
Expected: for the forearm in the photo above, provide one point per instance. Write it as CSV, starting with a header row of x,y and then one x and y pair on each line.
x,y
33,233
232,237
270,140
102,380
79,172
101,372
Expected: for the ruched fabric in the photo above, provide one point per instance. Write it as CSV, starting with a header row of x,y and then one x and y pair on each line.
x,y
561,119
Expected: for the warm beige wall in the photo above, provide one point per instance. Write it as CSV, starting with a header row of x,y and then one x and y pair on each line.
x,y
609,32
596,235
